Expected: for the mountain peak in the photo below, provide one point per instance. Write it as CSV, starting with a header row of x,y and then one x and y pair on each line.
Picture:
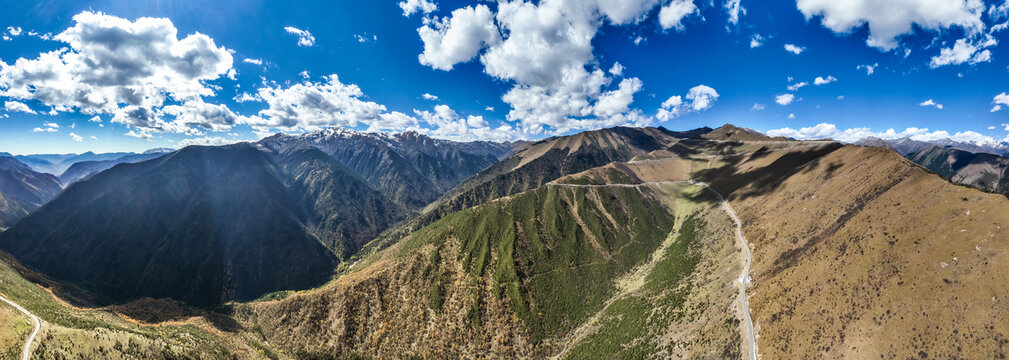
x,y
734,133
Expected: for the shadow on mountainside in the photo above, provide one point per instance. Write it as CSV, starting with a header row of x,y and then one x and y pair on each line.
x,y
735,184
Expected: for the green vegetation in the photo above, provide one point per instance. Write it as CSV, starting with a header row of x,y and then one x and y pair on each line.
x,y
551,252
630,324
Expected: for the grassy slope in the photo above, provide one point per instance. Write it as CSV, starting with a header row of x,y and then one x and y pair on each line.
x,y
683,306
71,332
858,253
495,280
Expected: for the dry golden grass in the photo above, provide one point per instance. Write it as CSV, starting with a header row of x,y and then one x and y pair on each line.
x,y
860,254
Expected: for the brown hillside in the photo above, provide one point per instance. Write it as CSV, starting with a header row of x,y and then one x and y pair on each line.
x,y
858,253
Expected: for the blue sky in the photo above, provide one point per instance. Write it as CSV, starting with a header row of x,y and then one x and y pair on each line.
x,y
499,71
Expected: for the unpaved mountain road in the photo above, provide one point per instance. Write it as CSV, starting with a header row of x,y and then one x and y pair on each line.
x,y
744,278
26,354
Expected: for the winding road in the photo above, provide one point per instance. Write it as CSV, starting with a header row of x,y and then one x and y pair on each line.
x,y
744,278
26,354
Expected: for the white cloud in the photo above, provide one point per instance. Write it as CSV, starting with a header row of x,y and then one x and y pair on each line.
x,y
823,81
757,107
795,49
888,20
733,9
930,102
245,97
12,106
253,61
702,97
617,69
311,106
304,74
48,127
964,51
458,38
698,98
76,137
830,131
671,16
139,133
489,108
791,116
197,113
869,69
999,101
114,66
413,6
95,119
784,99
797,86
756,41
305,38
447,124
840,97
208,141
94,137
427,96
618,101
545,51
365,38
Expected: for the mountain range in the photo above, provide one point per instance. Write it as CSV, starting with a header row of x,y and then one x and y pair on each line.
x,y
614,243
906,146
22,190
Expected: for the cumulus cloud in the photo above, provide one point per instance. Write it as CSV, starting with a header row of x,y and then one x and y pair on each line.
x,y
544,50
76,137
964,51
427,96
869,69
756,41
12,106
698,98
671,16
795,49
1000,100
618,101
930,102
823,81
197,113
447,124
116,66
489,108
733,9
95,119
305,38
417,6
888,20
830,131
617,69
253,61
784,99
459,37
313,105
48,127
